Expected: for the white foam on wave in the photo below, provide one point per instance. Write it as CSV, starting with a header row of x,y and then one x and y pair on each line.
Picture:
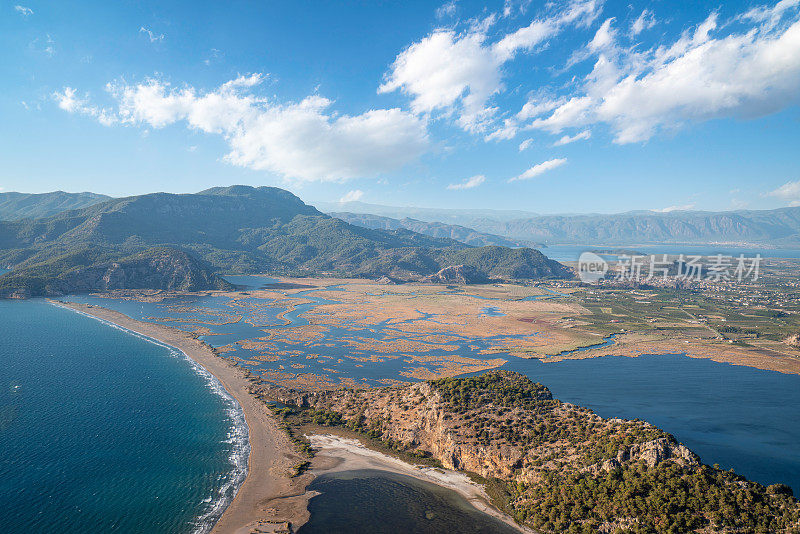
x,y
238,433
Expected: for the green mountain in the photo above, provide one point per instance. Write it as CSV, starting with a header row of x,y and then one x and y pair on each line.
x,y
102,270
244,229
15,206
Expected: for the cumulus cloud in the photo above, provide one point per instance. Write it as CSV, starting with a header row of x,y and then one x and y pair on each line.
x,y
153,37
458,72
352,196
302,140
539,169
469,183
707,73
24,11
567,139
789,192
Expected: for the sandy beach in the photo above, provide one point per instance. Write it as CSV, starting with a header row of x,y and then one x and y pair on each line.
x,y
337,453
269,500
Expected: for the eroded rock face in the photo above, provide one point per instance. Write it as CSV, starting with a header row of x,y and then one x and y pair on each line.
x,y
656,451
458,274
163,268
511,429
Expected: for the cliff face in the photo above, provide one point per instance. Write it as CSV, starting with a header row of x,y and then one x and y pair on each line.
x,y
513,429
157,268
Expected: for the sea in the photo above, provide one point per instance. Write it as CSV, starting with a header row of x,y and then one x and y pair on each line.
x,y
103,430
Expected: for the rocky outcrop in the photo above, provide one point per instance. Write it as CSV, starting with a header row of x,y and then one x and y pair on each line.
x,y
457,274
162,268
652,453
506,427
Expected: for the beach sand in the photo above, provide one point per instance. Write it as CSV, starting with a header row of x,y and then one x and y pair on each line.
x,y
336,453
269,500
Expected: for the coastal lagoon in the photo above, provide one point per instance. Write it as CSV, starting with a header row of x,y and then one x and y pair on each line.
x,y
104,431
156,438
739,417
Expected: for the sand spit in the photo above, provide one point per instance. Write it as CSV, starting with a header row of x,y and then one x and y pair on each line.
x,y
269,500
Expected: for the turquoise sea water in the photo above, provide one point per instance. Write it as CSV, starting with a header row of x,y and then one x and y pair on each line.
x,y
104,431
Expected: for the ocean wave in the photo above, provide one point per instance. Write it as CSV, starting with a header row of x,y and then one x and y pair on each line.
x,y
237,436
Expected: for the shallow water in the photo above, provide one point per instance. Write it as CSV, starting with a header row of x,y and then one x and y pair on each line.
x,y
379,502
103,431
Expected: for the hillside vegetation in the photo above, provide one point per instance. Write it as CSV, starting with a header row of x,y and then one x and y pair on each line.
x,y
246,230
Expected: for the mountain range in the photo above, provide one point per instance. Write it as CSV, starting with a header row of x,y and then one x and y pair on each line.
x,y
777,228
433,229
233,229
15,206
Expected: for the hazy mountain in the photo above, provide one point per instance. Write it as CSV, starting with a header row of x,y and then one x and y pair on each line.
x,y
247,229
771,227
14,206
778,227
433,229
462,217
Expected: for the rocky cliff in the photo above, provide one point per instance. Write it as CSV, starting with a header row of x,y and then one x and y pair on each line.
x,y
156,268
553,465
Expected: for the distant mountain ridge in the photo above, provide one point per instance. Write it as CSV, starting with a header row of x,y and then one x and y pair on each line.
x,y
433,229
242,229
15,206
777,227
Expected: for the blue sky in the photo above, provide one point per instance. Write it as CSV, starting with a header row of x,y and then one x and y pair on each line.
x,y
552,107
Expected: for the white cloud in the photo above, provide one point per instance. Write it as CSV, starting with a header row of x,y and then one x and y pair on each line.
x,y
567,139
458,73
645,21
525,145
302,140
669,209
469,183
703,75
539,169
69,101
789,192
154,37
352,196
24,11
446,10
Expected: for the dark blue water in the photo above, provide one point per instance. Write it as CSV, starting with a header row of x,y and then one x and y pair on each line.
x,y
103,431
738,417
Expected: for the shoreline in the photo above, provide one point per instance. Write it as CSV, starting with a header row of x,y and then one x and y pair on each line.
x,y
268,500
337,454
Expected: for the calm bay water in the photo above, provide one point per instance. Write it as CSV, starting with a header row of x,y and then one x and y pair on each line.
x,y
360,501
103,431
